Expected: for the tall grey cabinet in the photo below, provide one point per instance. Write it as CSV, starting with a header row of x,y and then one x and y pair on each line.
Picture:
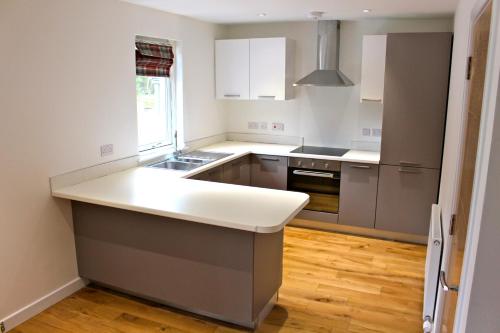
x,y
415,99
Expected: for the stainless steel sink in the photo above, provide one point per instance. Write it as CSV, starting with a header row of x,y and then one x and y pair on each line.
x,y
176,165
189,161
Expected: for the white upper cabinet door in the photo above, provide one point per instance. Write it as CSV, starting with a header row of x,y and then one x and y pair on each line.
x,y
232,74
271,68
373,68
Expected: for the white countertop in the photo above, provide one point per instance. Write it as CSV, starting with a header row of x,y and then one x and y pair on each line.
x,y
159,192
359,156
167,193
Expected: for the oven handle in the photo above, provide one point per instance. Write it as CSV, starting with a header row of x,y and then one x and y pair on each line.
x,y
313,174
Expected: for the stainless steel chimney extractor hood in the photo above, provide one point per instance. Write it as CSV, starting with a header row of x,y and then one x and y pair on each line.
x,y
328,56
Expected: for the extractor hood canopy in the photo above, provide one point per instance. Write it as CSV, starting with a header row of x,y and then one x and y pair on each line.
x,y
328,56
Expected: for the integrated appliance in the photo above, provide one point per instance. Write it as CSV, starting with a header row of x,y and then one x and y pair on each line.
x,y
327,71
318,178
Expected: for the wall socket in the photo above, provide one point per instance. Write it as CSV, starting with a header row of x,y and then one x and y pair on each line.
x,y
253,125
365,132
278,126
107,150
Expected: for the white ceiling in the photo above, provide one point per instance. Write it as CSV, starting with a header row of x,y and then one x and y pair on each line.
x,y
238,11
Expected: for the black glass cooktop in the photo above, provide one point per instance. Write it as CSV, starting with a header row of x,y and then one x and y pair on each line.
x,y
320,151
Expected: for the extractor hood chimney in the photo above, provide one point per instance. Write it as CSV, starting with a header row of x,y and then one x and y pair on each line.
x,y
328,56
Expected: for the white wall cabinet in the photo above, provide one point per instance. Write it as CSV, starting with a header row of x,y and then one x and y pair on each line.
x,y
266,71
373,68
271,68
232,69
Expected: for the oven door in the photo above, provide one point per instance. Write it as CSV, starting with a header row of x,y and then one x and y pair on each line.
x,y
323,188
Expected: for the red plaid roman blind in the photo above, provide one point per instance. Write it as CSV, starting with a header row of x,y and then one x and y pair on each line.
x,y
153,59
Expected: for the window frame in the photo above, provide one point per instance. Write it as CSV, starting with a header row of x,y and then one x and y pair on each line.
x,y
171,110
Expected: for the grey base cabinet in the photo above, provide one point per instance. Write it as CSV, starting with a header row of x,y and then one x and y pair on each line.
x,y
405,196
212,175
237,172
358,194
269,171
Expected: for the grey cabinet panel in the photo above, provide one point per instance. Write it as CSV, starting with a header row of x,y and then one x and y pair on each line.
x,y
405,196
269,171
358,194
415,98
212,175
237,171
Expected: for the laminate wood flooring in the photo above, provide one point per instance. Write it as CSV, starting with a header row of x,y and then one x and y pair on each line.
x,y
331,283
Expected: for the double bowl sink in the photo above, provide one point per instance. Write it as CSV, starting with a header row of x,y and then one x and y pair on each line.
x,y
189,161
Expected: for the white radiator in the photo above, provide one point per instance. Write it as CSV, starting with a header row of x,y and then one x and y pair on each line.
x,y
432,267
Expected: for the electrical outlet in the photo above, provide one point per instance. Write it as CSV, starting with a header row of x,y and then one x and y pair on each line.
x,y
263,125
377,132
278,127
253,125
107,150
365,132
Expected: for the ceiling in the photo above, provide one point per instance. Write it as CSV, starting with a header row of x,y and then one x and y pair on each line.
x,y
239,11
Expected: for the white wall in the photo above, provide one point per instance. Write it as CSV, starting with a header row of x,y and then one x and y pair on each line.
x,y
67,85
322,115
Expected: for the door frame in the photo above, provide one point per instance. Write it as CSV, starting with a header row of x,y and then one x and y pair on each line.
x,y
483,153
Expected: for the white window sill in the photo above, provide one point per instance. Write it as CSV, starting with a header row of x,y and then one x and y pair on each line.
x,y
156,154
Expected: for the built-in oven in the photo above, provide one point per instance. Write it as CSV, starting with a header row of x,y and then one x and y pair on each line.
x,y
318,178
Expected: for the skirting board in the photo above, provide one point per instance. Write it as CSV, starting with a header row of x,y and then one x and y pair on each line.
x,y
43,303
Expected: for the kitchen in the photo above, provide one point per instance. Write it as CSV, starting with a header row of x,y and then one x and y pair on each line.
x,y
253,157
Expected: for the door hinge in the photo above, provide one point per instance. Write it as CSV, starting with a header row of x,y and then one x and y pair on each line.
x,y
451,231
469,67
2,327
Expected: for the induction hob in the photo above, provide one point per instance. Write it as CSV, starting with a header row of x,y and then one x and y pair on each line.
x,y
320,151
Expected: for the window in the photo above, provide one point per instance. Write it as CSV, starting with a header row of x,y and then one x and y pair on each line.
x,y
155,86
155,117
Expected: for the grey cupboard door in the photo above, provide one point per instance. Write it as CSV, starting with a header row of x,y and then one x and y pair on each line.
x,y
269,171
237,171
358,194
404,200
415,98
212,175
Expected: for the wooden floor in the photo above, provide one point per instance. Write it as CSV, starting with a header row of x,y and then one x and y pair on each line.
x,y
332,283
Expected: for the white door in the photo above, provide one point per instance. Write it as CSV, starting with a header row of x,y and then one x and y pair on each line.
x,y
232,76
267,68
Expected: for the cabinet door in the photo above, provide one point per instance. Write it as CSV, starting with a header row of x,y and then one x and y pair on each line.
x,y
269,171
358,194
237,172
415,98
232,68
373,68
405,197
212,175
268,58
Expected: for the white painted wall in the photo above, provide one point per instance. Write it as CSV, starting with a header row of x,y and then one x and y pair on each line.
x,y
67,85
322,115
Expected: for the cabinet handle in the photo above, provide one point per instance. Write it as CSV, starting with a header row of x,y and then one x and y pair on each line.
x,y
402,169
229,95
371,100
406,163
266,96
360,166
270,159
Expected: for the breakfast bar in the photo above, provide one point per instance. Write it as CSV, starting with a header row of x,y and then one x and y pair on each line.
x,y
209,248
